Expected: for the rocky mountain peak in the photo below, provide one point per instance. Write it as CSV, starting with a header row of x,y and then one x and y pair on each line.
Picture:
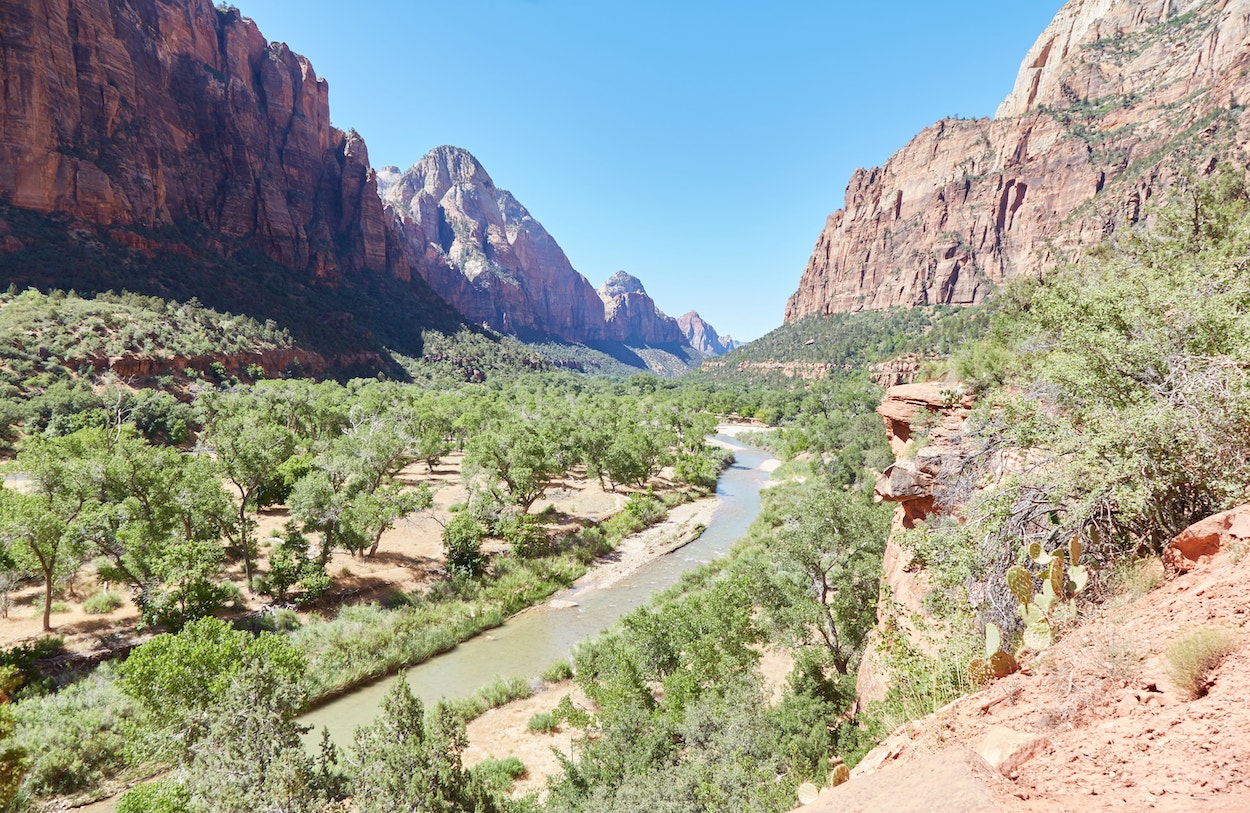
x,y
702,336
621,283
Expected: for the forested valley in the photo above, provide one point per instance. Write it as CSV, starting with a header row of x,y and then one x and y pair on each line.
x,y
154,497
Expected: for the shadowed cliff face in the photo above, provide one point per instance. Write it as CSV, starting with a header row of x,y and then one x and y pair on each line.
x,y
151,113
1115,103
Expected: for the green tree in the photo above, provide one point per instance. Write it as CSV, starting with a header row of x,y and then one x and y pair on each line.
x,y
179,680
48,530
402,763
825,568
249,451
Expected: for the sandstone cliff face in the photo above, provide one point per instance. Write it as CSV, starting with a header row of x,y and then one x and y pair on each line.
x,y
1116,101
703,337
152,113
482,251
632,314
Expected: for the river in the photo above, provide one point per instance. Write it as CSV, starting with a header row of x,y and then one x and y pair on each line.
x,y
538,637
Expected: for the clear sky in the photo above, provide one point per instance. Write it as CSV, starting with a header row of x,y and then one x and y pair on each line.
x,y
696,145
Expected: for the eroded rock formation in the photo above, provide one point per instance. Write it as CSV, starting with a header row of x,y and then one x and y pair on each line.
x,y
632,314
1116,101
483,252
703,337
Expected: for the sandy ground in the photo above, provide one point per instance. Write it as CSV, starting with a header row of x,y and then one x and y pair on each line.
x,y
504,732
409,557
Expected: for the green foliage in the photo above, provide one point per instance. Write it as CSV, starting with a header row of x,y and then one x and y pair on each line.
x,y
403,762
558,671
462,546
543,722
75,738
497,775
1124,381
177,681
823,573
102,603
157,796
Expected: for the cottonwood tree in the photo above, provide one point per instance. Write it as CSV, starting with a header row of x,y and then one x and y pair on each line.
x,y
826,569
48,528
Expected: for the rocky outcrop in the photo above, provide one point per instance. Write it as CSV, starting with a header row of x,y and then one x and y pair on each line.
x,y
632,314
703,337
156,113
1116,101
901,370
480,249
922,422
1207,538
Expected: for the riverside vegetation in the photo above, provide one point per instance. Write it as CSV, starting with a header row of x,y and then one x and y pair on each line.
x,y
1125,387
110,491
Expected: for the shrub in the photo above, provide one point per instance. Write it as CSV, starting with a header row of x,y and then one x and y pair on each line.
x,y
160,796
558,671
497,775
462,544
544,722
101,603
1191,659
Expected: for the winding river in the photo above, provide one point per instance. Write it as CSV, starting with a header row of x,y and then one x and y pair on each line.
x,y
538,637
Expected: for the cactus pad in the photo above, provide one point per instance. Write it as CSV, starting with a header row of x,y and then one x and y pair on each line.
x,y
980,672
1078,577
993,639
1003,664
1020,582
840,776
1057,583
1075,549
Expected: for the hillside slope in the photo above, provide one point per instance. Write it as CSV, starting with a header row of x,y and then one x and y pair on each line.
x,y
1094,724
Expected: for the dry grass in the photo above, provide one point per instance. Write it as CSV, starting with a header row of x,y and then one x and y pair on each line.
x,y
1193,657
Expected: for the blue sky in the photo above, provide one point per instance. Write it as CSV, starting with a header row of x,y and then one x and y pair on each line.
x,y
696,145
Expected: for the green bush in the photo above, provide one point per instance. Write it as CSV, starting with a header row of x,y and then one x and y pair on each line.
x,y
102,603
157,796
462,545
497,775
558,671
543,722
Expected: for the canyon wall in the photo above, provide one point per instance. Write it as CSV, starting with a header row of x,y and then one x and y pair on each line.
x,y
162,113
1116,102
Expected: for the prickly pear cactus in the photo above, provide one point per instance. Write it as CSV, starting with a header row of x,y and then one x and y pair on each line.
x,y
1003,664
1020,582
841,775
980,672
993,639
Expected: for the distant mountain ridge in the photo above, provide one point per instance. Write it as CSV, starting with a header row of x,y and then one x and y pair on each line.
x,y
1117,102
483,252
703,337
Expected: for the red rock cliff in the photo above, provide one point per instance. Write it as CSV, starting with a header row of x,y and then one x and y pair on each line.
x,y
1115,101
156,112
